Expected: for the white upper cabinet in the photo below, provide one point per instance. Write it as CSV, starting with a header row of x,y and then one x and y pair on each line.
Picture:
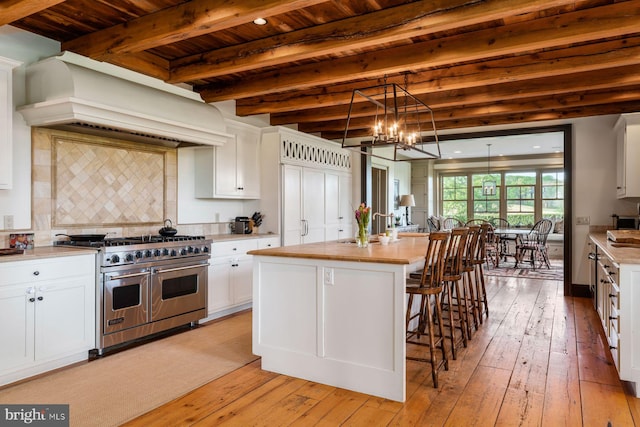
x,y
6,121
628,156
231,171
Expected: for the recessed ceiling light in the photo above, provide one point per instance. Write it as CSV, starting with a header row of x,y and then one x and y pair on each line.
x,y
259,21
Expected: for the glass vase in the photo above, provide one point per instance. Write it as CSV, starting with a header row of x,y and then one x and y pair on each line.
x,y
362,238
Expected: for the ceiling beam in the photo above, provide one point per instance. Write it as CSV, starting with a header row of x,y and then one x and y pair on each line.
x,y
13,10
488,109
363,31
180,22
608,21
613,80
593,57
515,117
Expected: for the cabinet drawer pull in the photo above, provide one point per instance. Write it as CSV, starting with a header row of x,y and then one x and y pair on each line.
x,y
611,347
613,318
612,295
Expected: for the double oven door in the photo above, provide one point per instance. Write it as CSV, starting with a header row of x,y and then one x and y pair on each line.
x,y
136,296
126,299
177,289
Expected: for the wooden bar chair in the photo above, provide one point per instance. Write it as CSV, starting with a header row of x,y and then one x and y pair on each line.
x,y
468,269
427,290
452,278
481,300
451,289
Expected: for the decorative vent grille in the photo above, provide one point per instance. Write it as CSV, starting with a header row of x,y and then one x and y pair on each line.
x,y
314,154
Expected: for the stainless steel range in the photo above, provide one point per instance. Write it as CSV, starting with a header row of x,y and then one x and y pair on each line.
x,y
148,284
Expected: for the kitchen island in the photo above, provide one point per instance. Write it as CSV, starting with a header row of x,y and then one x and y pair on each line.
x,y
617,300
334,313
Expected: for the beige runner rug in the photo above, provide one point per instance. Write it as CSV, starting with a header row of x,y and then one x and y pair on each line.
x,y
114,389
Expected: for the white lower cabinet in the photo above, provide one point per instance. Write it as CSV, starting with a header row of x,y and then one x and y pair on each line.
x,y
47,314
231,274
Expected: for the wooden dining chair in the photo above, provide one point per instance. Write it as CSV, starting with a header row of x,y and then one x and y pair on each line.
x,y
450,223
425,294
536,244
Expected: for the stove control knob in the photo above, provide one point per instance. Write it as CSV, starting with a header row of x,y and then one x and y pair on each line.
x,y
190,249
173,252
138,254
147,253
183,251
205,249
115,259
129,257
157,252
196,250
165,252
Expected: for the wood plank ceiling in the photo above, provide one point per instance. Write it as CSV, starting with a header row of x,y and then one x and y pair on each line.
x,y
474,62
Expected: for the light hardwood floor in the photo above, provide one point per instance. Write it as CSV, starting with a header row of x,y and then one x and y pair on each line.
x,y
538,360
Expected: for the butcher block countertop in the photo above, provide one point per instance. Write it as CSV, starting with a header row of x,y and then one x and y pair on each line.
x,y
622,253
47,252
405,250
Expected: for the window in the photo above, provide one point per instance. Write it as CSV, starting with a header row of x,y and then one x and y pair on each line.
x,y
553,194
521,198
485,207
454,196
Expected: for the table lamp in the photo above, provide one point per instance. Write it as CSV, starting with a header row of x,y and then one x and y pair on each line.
x,y
406,201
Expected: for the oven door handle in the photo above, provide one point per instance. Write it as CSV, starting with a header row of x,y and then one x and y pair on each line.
x,y
126,276
168,270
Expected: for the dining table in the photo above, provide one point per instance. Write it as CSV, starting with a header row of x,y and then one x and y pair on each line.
x,y
507,237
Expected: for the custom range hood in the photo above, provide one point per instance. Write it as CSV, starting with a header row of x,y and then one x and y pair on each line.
x,y
62,94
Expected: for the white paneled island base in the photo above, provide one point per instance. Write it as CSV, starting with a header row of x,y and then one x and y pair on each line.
x,y
334,318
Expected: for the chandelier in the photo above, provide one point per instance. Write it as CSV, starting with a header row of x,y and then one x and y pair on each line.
x,y
488,183
402,129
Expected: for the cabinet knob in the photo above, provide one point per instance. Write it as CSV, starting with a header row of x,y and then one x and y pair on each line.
x,y
36,273
32,299
40,298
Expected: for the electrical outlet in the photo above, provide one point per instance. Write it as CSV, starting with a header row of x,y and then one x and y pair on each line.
x,y
8,222
328,276
583,220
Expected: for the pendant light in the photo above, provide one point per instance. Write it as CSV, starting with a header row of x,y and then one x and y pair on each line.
x,y
398,126
488,184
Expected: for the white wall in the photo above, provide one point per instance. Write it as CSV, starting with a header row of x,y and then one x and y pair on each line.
x,y
26,48
594,184
192,210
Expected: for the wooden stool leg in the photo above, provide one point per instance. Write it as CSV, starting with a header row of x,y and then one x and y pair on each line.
x,y
483,304
462,313
441,328
470,305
